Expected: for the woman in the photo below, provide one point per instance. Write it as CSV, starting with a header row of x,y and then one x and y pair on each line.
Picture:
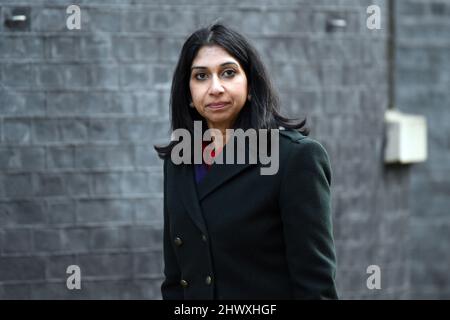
x,y
229,231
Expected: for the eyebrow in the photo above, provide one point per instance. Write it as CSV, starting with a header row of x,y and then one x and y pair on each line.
x,y
223,64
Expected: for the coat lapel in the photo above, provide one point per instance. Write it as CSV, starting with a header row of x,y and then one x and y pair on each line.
x,y
218,175
188,194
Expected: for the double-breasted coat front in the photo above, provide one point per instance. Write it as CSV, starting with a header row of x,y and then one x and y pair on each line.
x,y
241,235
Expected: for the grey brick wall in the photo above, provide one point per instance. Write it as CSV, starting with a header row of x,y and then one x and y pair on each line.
x,y
81,109
423,81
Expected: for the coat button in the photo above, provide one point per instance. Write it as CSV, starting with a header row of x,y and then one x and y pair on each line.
x,y
208,280
178,241
203,238
184,283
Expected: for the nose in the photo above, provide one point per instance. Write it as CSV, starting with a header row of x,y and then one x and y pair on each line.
x,y
216,86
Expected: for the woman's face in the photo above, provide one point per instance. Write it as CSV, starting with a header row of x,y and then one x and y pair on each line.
x,y
218,86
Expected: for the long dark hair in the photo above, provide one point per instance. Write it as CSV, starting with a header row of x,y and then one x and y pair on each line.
x,y
261,112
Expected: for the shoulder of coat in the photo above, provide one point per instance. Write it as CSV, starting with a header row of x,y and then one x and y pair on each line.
x,y
292,135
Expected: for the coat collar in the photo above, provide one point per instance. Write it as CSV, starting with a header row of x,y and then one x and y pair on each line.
x,y
218,175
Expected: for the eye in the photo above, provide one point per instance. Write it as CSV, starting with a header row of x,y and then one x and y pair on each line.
x,y
200,76
229,73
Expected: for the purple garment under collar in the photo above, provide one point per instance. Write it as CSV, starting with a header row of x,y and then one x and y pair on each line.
x,y
200,172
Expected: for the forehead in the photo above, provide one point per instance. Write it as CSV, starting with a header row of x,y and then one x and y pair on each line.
x,y
212,56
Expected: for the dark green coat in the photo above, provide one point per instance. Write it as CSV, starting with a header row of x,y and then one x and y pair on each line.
x,y
243,235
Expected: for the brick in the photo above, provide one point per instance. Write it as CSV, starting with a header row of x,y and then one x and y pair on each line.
x,y
75,239
136,20
137,130
149,211
354,254
341,102
296,49
104,265
47,19
148,264
396,224
356,279
103,76
124,48
146,49
22,268
357,229
159,131
302,103
146,237
45,130
162,76
10,158
109,238
16,241
50,76
247,25
164,103
47,240
78,184
162,20
16,131
22,213
66,103
140,289
104,211
74,130
62,48
136,76
373,101
21,47
32,158
288,76
23,73
50,184
280,21
17,185
62,76
20,103
107,183
411,8
57,290
103,157
141,182
118,103
170,48
120,289
60,157
102,20
15,291
146,156
149,104
439,8
394,277
96,47
61,212
103,129
56,266
421,31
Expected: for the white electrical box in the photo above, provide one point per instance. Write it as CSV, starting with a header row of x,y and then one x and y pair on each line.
x,y
406,138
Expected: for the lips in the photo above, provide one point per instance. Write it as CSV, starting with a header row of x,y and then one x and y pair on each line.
x,y
217,105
